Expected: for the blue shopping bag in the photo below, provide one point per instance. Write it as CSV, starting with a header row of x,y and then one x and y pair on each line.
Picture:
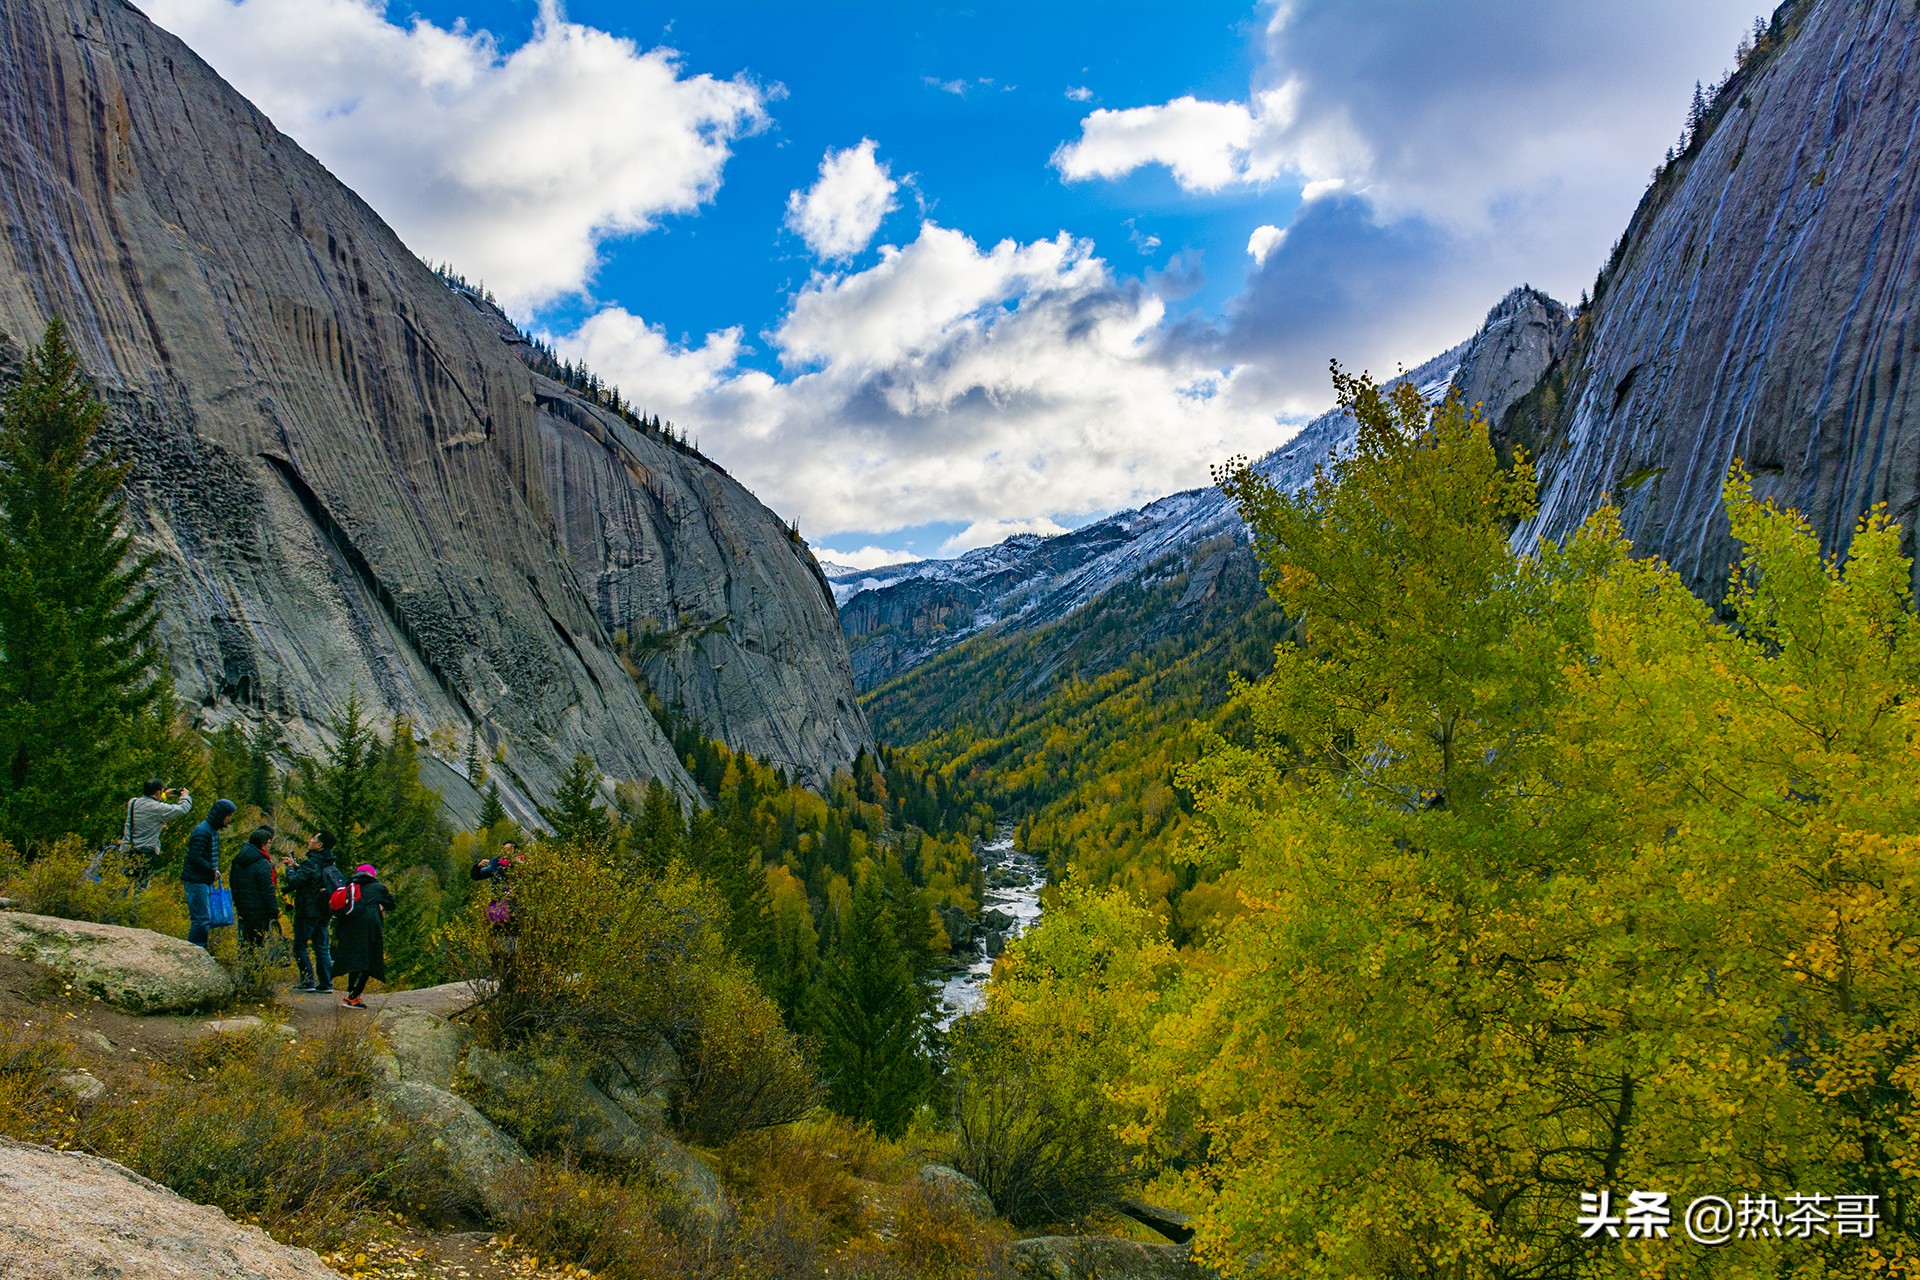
x,y
219,905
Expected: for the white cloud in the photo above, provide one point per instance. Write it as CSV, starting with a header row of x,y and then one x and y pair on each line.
x,y
1206,144
1455,114
984,533
513,166
838,215
864,558
951,381
1080,93
1264,240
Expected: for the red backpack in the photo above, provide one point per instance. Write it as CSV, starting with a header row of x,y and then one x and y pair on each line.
x,y
343,900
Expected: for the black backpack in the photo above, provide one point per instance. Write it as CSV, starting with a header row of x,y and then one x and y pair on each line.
x,y
324,880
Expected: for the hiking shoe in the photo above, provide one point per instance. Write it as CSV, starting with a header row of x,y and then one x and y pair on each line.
x,y
305,986
351,1003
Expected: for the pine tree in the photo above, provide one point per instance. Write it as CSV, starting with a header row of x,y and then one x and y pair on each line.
x,y
405,827
577,816
338,791
475,764
1696,116
79,669
492,811
658,835
262,784
871,1014
741,878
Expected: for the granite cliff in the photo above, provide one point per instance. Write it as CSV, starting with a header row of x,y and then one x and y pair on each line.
x,y
351,474
1760,306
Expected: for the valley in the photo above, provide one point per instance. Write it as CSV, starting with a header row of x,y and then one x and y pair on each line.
x,y
1496,800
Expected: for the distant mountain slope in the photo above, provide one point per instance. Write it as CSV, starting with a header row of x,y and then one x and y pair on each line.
x,y
902,615
349,473
1760,306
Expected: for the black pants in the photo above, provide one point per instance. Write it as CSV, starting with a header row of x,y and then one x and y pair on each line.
x,y
356,983
254,932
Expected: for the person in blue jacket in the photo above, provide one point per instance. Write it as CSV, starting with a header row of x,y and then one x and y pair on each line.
x,y
201,869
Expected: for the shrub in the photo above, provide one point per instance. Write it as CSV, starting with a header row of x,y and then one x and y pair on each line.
x,y
259,974
606,963
623,1228
739,1067
56,884
33,1106
286,1133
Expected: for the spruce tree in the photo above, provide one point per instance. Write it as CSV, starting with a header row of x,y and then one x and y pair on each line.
x,y
658,835
338,791
474,763
740,877
871,1013
577,816
492,811
79,669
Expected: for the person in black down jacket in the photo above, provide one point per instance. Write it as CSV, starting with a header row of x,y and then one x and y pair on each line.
x,y
255,906
311,883
201,869
359,935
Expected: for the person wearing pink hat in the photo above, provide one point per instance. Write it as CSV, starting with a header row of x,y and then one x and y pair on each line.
x,y
360,945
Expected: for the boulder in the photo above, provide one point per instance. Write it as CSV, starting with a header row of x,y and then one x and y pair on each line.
x,y
137,969
245,1026
997,920
959,928
958,1187
996,942
83,1085
1108,1257
600,1128
424,1047
63,1214
443,1001
482,1160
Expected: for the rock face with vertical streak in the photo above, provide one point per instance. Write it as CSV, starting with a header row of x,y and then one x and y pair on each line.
x,y
1762,307
350,475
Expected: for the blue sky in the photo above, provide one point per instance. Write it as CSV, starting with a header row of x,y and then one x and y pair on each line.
x,y
924,275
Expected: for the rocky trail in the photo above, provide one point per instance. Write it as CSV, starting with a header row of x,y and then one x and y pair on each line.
x,y
161,1234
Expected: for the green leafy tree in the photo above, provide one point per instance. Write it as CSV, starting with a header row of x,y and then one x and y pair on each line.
x,y
871,1013
80,679
577,816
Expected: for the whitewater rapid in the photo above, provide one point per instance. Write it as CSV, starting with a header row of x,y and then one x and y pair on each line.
x,y
1018,894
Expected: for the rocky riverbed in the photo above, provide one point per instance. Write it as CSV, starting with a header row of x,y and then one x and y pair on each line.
x,y
1012,905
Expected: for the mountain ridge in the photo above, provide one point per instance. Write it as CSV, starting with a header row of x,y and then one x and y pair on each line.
x,y
899,616
349,475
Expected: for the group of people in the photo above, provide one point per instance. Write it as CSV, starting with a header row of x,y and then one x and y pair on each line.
x,y
257,878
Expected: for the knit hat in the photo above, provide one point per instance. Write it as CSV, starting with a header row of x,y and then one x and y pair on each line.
x,y
365,869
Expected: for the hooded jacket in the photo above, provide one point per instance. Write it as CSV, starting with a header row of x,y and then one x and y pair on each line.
x,y
202,864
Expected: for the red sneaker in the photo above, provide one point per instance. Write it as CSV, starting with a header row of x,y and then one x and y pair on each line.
x,y
351,1003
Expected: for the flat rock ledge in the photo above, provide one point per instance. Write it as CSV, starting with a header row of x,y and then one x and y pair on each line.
x,y
64,1215
137,969
1108,1257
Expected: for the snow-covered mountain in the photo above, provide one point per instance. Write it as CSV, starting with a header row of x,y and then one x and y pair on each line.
x,y
900,615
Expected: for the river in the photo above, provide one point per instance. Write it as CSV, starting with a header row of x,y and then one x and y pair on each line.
x,y
1014,881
